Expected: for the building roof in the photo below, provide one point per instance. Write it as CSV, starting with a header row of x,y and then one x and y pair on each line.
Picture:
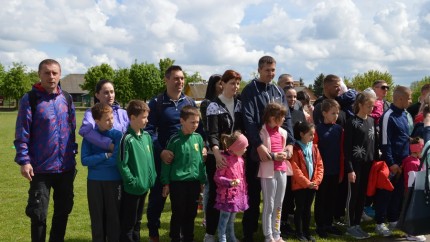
x,y
196,90
71,82
308,91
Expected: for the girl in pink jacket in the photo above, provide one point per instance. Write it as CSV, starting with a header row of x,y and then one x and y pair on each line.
x,y
232,194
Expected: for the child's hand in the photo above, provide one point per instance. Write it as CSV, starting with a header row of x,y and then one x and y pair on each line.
x,y
235,182
280,156
167,156
312,185
351,177
166,190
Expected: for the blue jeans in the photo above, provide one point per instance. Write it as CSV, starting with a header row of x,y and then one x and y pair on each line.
x,y
226,227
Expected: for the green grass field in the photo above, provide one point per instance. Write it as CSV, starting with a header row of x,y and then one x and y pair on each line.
x,y
15,225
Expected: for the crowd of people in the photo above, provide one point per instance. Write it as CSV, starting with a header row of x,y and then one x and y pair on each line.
x,y
346,151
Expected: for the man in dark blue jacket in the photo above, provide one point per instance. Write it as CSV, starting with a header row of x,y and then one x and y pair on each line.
x,y
394,130
255,97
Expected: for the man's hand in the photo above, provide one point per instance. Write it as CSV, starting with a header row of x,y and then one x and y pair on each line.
x,y
27,171
167,156
220,160
166,190
111,147
263,153
204,153
395,169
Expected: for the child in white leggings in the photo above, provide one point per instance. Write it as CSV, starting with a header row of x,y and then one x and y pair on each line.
x,y
273,173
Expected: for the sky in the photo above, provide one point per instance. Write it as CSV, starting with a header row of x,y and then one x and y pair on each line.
x,y
306,37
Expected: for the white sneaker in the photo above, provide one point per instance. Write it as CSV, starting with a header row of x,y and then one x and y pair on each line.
x,y
365,217
416,237
209,238
381,229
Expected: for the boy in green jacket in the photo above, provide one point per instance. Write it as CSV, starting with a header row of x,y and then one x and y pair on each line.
x,y
136,165
184,175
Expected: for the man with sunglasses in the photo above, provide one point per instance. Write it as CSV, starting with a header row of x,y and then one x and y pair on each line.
x,y
381,105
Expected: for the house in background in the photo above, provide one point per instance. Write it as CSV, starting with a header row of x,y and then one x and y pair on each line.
x,y
71,84
196,90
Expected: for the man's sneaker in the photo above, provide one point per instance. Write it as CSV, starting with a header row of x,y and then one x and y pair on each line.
x,y
354,232
416,237
209,238
339,222
392,225
365,217
364,233
334,231
381,229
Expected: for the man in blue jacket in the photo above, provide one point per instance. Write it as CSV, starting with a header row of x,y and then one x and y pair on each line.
x,y
45,150
255,97
394,130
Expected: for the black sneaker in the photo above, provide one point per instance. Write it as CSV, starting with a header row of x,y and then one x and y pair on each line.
x,y
321,233
333,230
310,238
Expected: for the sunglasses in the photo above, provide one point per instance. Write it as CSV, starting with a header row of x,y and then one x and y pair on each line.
x,y
385,87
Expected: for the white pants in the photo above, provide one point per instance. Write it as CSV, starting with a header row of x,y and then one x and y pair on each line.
x,y
273,194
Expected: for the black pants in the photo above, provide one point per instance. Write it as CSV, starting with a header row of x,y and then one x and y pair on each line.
x,y
38,202
131,216
340,203
104,203
325,201
211,213
184,196
357,192
252,214
288,204
389,203
155,200
302,216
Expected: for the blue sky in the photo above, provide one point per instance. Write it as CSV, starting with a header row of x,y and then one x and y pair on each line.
x,y
305,37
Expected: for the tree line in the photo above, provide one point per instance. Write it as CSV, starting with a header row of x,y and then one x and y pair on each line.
x,y
144,80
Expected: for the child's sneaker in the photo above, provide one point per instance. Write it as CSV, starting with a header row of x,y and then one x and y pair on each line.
x,y
381,229
354,232
415,237
209,238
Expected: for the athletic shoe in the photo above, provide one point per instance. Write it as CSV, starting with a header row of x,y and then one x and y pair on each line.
x,y
392,225
381,229
354,232
209,238
365,217
339,222
415,237
369,211
334,231
364,233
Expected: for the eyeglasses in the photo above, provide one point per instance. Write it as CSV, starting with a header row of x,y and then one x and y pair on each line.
x,y
385,87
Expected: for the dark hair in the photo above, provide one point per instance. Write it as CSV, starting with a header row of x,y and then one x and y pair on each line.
x,y
425,87
361,98
49,62
188,111
302,127
304,97
328,103
330,79
265,60
99,109
211,88
136,107
415,140
230,74
377,82
275,110
171,69
228,139
99,87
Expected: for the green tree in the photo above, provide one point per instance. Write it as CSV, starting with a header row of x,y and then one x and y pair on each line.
x,y
416,87
94,75
2,75
318,85
194,78
124,91
33,77
145,79
16,82
163,64
363,81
